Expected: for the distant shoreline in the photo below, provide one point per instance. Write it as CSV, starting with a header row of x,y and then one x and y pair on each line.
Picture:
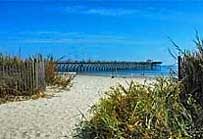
x,y
117,76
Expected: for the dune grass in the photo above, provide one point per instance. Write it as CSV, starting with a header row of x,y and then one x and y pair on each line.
x,y
52,77
146,111
192,81
10,84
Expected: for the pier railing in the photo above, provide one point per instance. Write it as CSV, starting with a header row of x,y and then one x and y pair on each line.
x,y
92,66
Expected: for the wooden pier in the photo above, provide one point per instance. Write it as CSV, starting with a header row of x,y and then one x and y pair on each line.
x,y
96,66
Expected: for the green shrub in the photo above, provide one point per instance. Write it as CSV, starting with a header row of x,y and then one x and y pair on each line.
x,y
148,111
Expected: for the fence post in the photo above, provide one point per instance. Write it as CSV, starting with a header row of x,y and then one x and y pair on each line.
x,y
37,74
43,74
179,68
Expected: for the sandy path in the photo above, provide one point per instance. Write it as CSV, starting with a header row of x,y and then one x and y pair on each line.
x,y
53,118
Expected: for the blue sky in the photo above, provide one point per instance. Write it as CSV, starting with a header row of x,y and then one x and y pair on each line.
x,y
99,29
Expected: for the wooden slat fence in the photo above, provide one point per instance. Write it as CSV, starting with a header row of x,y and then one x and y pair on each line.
x,y
22,77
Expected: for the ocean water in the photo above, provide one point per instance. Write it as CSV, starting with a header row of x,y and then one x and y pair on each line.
x,y
164,70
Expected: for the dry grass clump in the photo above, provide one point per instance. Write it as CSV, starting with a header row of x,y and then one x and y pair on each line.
x,y
138,112
63,81
5,97
13,82
7,60
52,77
192,80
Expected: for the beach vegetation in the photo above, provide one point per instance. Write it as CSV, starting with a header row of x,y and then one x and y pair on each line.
x,y
191,73
17,80
22,79
141,111
52,77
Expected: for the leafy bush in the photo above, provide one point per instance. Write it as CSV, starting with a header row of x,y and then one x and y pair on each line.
x,y
146,111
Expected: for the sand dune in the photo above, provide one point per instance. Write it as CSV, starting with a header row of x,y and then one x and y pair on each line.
x,y
54,118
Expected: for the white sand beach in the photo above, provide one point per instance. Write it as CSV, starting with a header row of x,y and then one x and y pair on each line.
x,y
55,117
